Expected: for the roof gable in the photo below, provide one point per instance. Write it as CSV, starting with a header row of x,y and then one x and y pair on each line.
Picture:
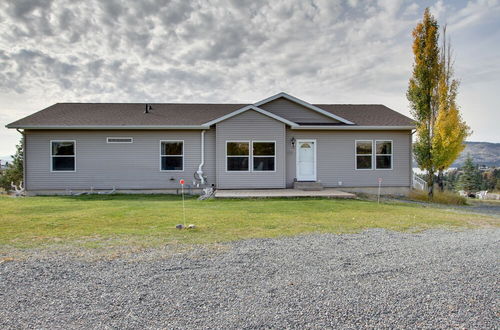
x,y
297,113
254,108
304,104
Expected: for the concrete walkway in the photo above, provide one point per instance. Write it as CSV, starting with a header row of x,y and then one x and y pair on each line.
x,y
265,193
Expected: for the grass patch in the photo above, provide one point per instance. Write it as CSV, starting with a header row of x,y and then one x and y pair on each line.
x,y
149,220
447,197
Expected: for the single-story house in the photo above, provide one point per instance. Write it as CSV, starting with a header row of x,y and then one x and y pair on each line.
x,y
273,143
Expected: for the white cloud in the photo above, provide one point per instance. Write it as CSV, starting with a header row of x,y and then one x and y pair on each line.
x,y
219,51
475,12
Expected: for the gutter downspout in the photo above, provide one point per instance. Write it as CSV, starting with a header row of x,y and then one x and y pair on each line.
x,y
24,156
411,159
200,167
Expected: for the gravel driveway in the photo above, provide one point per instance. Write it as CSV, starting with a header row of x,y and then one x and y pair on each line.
x,y
434,279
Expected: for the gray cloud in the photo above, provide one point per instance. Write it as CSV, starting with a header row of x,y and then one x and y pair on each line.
x,y
227,50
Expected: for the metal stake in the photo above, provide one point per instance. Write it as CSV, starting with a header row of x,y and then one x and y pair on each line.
x,y
183,207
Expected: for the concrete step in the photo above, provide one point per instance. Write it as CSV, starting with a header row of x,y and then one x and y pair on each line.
x,y
308,185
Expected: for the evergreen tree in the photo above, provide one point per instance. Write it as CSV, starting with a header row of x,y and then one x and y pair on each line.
x,y
470,179
15,169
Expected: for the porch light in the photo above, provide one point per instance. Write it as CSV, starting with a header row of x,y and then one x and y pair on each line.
x,y
293,142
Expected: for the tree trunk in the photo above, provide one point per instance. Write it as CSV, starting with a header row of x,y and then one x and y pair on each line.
x,y
441,180
430,184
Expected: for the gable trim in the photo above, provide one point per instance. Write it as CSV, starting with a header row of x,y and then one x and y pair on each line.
x,y
304,104
109,127
355,128
254,108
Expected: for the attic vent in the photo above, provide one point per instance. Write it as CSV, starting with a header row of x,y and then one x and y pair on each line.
x,y
120,140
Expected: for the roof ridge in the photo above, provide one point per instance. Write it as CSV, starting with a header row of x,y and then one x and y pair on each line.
x,y
166,103
350,104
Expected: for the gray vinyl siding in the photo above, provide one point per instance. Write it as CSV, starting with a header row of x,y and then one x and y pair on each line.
x,y
295,112
137,165
250,125
125,166
336,158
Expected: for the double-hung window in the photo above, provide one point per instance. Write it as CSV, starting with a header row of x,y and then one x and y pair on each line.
x,y
364,151
264,156
172,155
62,156
237,156
383,156
246,156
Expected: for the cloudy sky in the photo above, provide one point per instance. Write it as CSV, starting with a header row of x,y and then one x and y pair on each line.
x,y
237,51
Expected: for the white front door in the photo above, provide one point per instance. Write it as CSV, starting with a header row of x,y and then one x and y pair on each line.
x,y
306,160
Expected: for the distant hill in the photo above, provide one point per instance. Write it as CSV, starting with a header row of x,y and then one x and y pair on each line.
x,y
483,153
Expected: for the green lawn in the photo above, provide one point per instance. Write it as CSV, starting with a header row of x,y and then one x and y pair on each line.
x,y
149,220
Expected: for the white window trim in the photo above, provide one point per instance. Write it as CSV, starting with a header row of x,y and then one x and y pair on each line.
x,y
391,154
356,156
119,137
183,158
253,156
249,155
52,156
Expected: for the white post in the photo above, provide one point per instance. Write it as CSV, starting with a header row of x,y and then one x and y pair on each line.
x,y
183,207
379,185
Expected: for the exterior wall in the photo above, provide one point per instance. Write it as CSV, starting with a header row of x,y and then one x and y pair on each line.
x,y
295,112
336,158
125,166
248,126
136,166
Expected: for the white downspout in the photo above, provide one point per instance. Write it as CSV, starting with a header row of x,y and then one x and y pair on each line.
x,y
200,168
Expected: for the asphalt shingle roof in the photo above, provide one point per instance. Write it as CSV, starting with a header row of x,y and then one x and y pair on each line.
x,y
184,114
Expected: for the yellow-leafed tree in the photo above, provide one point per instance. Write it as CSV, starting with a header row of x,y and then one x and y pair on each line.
x,y
432,91
450,130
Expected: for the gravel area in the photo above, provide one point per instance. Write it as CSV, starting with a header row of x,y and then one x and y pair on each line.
x,y
378,278
485,207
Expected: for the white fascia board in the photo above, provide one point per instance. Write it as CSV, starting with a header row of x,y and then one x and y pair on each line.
x,y
305,104
102,127
254,108
355,128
